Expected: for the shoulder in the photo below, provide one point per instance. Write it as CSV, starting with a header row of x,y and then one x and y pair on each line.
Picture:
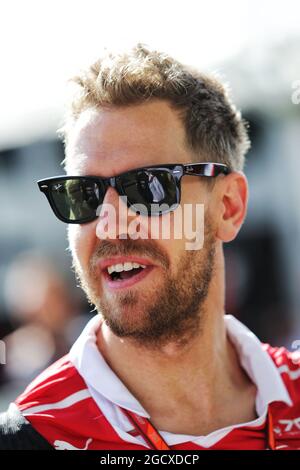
x,y
16,433
59,382
18,430
60,407
56,401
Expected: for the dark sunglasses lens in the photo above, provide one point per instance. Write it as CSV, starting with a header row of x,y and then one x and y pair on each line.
x,y
76,199
150,188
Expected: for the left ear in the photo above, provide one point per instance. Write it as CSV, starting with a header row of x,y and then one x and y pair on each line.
x,y
232,201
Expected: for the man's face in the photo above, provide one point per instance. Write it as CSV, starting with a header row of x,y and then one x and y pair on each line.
x,y
167,301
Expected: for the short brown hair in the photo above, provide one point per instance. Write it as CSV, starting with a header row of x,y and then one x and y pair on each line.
x,y
214,128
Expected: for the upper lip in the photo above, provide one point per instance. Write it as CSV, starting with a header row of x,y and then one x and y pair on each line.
x,y
123,259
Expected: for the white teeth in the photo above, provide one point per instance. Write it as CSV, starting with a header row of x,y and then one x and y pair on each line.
x,y
128,266
110,269
119,268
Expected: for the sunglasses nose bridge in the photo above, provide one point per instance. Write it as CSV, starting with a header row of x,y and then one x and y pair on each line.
x,y
107,183
178,172
111,181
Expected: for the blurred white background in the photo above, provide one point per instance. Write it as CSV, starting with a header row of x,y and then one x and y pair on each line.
x,y
42,43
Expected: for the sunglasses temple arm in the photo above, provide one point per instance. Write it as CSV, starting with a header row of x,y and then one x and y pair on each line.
x,y
205,169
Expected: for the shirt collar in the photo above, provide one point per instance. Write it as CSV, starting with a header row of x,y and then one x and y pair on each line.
x,y
258,365
91,365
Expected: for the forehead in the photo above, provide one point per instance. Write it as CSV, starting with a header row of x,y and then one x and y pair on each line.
x,y
105,142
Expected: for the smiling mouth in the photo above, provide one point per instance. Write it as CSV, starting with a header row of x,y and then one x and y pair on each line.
x,y
117,276
126,273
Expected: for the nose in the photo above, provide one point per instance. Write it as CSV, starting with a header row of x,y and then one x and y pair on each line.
x,y
108,220
117,221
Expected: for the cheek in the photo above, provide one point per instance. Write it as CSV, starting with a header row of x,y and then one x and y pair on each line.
x,y
174,245
80,243
193,191
195,203
173,248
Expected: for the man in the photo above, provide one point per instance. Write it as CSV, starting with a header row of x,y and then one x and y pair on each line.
x,y
160,366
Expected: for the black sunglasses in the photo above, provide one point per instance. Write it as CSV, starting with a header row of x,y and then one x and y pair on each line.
x,y
153,190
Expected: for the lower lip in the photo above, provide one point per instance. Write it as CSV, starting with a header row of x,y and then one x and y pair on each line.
x,y
122,283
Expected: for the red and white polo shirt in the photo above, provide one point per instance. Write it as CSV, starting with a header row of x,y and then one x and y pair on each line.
x,y
77,402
